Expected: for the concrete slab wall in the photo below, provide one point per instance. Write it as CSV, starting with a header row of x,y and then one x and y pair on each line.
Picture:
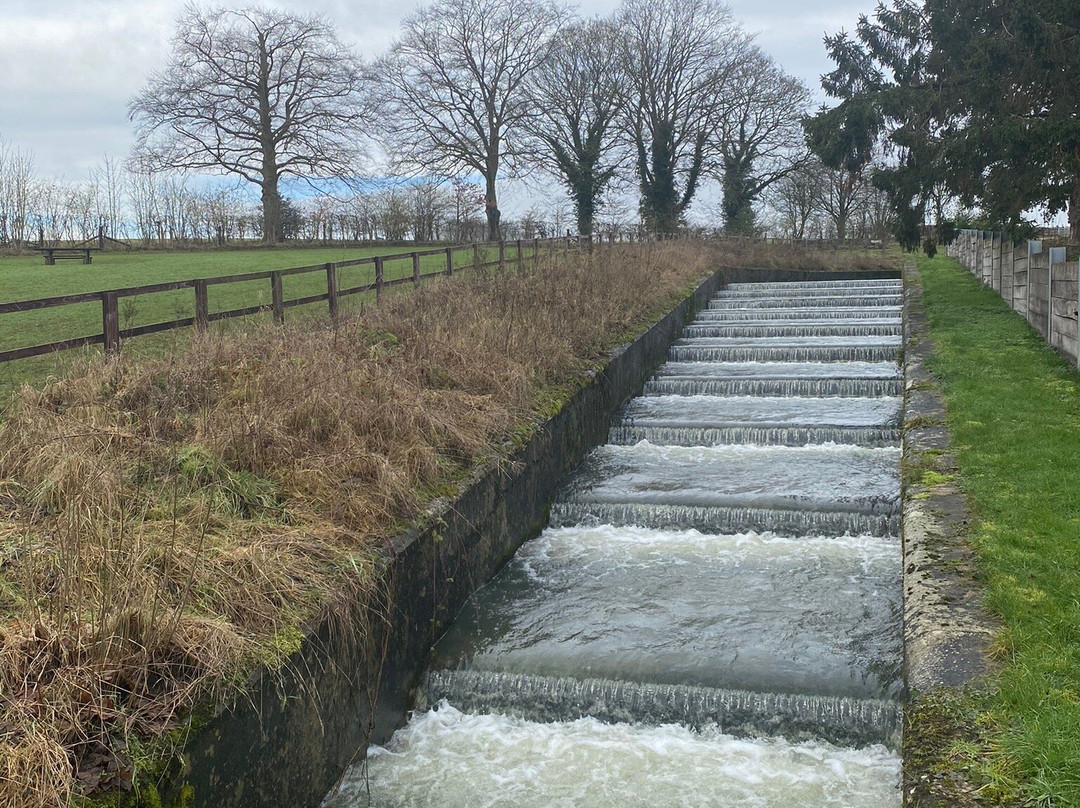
x,y
1021,273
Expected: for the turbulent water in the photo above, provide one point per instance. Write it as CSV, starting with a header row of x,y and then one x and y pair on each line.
x,y
796,312
736,612
825,478
841,720
451,759
713,616
708,410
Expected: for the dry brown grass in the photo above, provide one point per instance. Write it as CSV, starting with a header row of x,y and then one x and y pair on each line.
x,y
163,524
762,255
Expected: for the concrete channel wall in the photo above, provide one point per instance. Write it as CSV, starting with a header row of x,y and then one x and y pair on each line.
x,y
1037,283
947,632
351,683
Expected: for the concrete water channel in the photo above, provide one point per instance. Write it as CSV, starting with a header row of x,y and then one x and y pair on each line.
x,y
713,615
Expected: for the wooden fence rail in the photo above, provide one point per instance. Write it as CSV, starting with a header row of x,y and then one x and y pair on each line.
x,y
112,334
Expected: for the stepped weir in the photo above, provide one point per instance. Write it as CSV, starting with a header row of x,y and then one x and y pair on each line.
x,y
713,614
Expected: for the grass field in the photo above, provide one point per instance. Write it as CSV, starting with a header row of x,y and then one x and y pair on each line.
x,y
1013,409
27,277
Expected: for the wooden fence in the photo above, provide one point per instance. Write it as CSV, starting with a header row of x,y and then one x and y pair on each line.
x,y
1037,283
515,252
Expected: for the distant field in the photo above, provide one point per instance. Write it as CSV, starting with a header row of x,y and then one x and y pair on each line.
x,y
27,277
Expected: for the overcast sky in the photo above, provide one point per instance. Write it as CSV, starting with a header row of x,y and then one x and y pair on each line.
x,y
69,67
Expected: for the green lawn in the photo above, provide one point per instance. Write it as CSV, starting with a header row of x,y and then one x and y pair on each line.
x,y
27,277
1014,418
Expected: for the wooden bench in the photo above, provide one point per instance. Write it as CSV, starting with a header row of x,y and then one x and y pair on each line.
x,y
52,254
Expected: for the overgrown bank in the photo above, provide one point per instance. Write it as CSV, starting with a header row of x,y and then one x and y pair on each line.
x,y
1013,412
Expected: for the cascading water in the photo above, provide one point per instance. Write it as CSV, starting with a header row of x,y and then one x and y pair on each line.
x,y
798,312
712,617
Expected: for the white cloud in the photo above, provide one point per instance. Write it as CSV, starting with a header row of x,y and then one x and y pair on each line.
x,y
69,67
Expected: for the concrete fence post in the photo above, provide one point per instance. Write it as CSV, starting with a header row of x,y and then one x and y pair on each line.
x,y
1057,256
995,262
1033,248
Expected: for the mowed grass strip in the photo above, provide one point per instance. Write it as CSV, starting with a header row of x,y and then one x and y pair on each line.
x,y
1014,417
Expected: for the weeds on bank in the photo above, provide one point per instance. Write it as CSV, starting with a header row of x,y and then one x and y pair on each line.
x,y
1014,419
780,255
167,525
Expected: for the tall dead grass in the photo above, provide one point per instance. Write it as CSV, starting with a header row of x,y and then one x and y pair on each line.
x,y
164,524
737,253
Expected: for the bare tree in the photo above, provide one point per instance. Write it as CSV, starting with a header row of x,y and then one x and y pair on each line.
x,y
794,197
576,99
678,57
106,184
760,138
431,204
17,181
451,90
257,93
839,195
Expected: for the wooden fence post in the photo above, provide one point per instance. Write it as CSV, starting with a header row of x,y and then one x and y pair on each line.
x,y
449,260
415,269
331,290
536,252
502,255
278,296
110,322
520,257
202,306
378,278
476,256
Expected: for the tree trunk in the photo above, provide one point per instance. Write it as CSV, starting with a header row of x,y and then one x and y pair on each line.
x,y
1074,209
491,208
271,209
659,197
271,199
738,202
585,203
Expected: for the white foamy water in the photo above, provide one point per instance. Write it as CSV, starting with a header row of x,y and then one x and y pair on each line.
x,y
448,759
582,545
